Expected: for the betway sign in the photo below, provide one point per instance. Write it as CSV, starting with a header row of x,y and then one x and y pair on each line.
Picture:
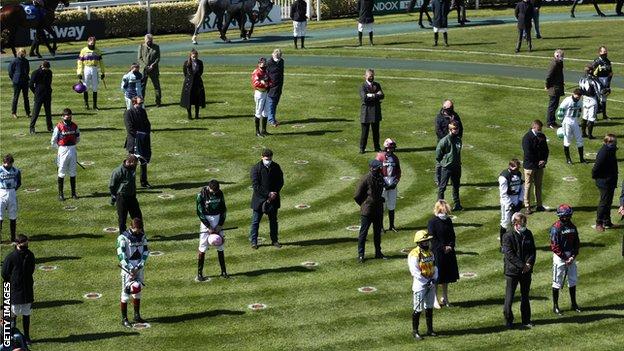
x,y
392,6
71,31
274,17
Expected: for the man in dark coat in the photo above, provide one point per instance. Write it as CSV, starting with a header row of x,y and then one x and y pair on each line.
x,y
524,15
369,196
19,69
441,9
446,115
460,6
536,153
267,181
603,70
193,92
41,86
370,111
148,57
138,141
605,172
555,87
520,253
365,19
122,188
275,70
18,269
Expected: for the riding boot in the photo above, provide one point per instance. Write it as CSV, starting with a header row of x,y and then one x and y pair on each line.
x,y
435,39
144,182
581,155
501,232
221,257
257,123
391,219
85,96
124,315
302,42
137,311
415,323
295,41
370,38
196,111
72,183
264,125
590,130
584,128
13,228
445,36
360,38
95,106
26,326
566,151
60,189
188,113
555,296
573,299
200,266
429,318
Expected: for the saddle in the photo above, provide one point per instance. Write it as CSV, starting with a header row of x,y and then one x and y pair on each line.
x,y
33,13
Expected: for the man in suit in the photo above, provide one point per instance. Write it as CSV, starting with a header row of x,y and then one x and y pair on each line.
x,y
275,70
536,152
267,181
148,57
371,95
365,19
605,172
369,196
138,141
524,15
41,86
555,87
18,73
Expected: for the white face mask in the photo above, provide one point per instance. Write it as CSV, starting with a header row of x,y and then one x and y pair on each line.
x,y
267,162
521,229
442,215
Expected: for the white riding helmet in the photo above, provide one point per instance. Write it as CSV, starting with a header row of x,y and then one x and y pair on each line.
x,y
389,143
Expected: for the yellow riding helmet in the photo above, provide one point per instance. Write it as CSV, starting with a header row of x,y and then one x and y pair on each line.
x,y
422,235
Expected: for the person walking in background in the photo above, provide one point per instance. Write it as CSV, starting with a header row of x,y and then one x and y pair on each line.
x,y
65,137
366,19
10,182
605,173
421,263
19,69
569,111
565,244
131,85
260,82
193,92
211,210
536,11
267,180
148,57
391,171
524,15
520,255
603,69
555,87
41,86
122,187
443,248
138,141
446,115
441,9
275,71
88,66
371,95
298,14
536,152
460,6
448,155
369,196
423,9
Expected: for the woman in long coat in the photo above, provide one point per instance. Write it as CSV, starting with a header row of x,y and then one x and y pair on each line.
x,y
193,88
443,247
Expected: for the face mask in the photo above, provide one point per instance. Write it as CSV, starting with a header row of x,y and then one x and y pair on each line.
x,y
91,47
521,229
424,246
267,163
448,110
67,120
442,215
370,79
575,99
604,56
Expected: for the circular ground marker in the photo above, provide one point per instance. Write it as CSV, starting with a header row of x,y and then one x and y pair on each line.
x,y
331,108
483,188
70,208
339,140
212,170
257,306
430,170
165,196
302,162
354,228
258,147
302,206
329,81
182,121
569,179
468,146
141,326
407,102
297,126
468,275
401,197
31,190
405,251
92,296
419,132
88,163
347,178
367,289
173,154
48,268
20,134
309,264
493,126
453,217
591,154
217,134
156,253
110,229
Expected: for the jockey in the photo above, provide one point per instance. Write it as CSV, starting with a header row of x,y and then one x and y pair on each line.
x,y
39,3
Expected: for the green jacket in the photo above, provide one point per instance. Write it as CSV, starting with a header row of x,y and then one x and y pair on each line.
x,y
148,55
448,151
123,182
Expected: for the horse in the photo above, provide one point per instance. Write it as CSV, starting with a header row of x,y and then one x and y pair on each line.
x,y
227,10
598,12
13,17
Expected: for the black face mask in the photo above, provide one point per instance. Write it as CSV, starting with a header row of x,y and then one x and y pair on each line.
x,y
424,246
370,79
449,111
575,99
91,47
604,56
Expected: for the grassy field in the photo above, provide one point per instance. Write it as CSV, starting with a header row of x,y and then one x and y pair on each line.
x,y
320,308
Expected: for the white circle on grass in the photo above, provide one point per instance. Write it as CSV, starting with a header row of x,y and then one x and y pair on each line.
x,y
20,134
141,326
31,190
166,196
298,126
302,206
339,140
407,102
419,132
468,146
182,121
110,229
367,289
430,170
493,126
173,154
212,170
329,81
483,188
353,228
70,208
48,268
92,296
302,162
156,253
217,134
347,178
257,306
468,275
88,163
309,264
453,217
405,251
591,154
569,179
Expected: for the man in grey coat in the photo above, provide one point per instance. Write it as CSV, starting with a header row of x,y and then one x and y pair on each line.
x,y
148,57
555,87
371,95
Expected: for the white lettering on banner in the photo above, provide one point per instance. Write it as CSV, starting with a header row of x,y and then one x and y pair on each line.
x,y
395,5
74,32
274,17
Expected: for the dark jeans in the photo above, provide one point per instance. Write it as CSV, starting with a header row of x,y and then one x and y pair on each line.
x,y
272,108
364,135
524,33
127,205
17,89
525,305
365,223
46,102
143,173
454,175
553,104
155,80
603,215
256,216
536,11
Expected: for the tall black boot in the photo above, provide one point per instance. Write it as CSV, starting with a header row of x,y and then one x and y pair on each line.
x,y
581,155
264,125
196,111
221,257
200,266
501,232
415,323
575,306
302,42
429,317
124,315
60,189
257,123
445,36
370,38
391,220
188,113
566,151
95,106
72,183
360,38
295,41
436,36
144,182
137,311
590,130
26,326
13,228
584,128
555,296
85,96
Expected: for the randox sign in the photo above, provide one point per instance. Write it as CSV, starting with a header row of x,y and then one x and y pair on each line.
x,y
274,17
70,31
382,7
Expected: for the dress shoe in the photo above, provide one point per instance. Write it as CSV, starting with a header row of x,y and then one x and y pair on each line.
x,y
145,185
362,151
540,209
381,256
259,135
225,275
557,311
528,325
254,246
576,309
199,278
361,259
431,333
277,244
569,161
457,207
416,335
61,197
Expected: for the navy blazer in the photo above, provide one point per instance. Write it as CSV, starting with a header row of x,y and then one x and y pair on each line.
x,y
18,71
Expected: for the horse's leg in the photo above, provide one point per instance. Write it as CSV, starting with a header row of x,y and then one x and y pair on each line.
x,y
253,24
598,9
573,7
52,49
242,18
226,23
35,45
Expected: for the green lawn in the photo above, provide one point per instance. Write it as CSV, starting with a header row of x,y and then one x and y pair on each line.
x,y
321,308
